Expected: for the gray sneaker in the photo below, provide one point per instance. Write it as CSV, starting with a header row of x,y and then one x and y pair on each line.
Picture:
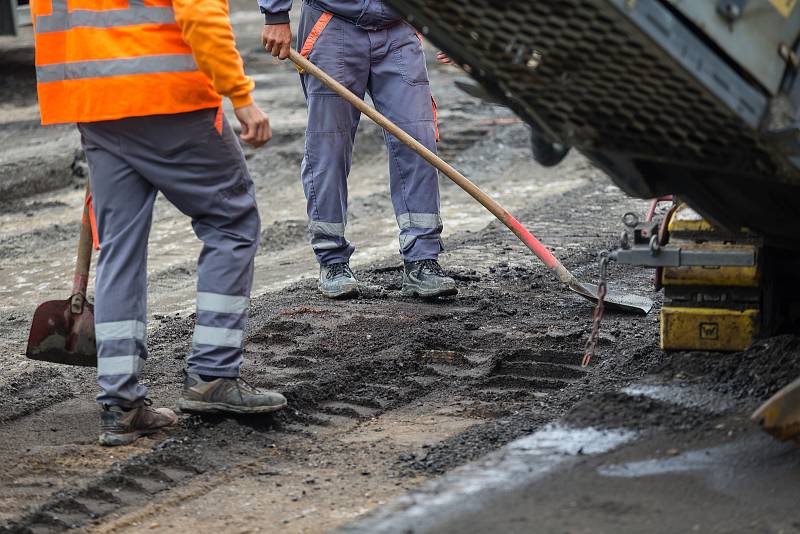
x,y
337,281
227,395
426,279
122,427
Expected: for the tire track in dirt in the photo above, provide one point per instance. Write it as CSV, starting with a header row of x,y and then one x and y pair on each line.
x,y
32,391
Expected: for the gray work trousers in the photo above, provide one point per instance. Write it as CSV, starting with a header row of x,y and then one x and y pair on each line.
x,y
195,160
389,64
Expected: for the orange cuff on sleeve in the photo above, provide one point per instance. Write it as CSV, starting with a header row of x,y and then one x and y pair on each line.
x,y
242,100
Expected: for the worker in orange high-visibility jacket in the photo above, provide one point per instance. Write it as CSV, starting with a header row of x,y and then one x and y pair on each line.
x,y
143,80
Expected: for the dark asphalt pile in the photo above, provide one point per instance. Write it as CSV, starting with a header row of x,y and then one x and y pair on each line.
x,y
614,409
745,378
751,376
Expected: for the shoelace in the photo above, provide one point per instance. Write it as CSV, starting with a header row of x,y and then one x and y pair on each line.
x,y
338,269
148,405
147,402
431,266
247,386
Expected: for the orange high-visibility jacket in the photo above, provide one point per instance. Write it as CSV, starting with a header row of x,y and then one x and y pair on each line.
x,y
110,59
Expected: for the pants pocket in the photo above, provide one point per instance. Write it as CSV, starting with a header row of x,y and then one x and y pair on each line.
x,y
325,48
410,61
185,133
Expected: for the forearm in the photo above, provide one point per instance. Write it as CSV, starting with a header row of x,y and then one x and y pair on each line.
x,y
275,11
206,28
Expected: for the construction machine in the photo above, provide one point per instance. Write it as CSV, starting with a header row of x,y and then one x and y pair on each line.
x,y
13,15
697,101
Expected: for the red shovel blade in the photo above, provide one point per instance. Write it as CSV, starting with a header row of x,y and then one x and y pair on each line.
x,y
60,336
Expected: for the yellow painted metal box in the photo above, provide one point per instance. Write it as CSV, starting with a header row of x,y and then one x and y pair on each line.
x,y
687,223
713,329
713,276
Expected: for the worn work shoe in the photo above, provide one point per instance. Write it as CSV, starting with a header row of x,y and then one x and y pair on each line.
x,y
227,395
337,281
426,279
122,427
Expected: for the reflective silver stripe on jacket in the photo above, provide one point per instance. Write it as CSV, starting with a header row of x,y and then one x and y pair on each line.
x,y
104,68
419,220
137,13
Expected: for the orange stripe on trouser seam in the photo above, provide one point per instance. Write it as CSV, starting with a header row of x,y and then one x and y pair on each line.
x,y
316,31
218,120
92,222
435,118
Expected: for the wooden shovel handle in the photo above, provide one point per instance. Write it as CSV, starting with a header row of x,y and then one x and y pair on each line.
x,y
304,65
84,261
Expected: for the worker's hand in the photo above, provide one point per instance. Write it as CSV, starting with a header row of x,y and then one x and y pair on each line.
x,y
441,57
255,125
276,39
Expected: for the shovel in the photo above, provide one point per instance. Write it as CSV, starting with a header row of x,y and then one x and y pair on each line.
x,y
618,301
63,330
780,415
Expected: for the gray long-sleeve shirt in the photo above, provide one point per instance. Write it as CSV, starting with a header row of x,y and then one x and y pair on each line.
x,y
371,14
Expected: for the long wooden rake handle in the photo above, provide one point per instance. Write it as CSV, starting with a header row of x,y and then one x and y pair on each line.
x,y
536,246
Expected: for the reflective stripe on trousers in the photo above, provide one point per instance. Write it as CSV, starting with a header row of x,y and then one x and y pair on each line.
x,y
414,226
327,235
123,346
121,354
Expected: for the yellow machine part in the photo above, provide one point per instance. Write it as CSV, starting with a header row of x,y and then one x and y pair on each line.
x,y
712,276
707,328
784,7
686,221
